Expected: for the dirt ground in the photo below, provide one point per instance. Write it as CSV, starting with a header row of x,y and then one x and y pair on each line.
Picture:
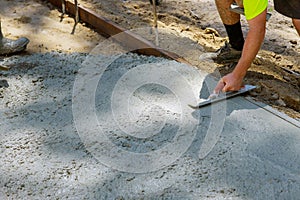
x,y
193,25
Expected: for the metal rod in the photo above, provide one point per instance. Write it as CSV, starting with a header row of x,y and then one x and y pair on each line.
x,y
155,22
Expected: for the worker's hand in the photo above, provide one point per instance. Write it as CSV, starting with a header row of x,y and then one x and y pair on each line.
x,y
230,82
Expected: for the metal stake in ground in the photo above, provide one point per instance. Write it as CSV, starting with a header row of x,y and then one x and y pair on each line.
x,y
155,22
63,8
76,16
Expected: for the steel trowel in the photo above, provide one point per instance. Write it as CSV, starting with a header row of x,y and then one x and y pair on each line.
x,y
214,98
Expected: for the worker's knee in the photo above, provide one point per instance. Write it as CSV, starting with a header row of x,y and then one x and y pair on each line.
x,y
227,16
239,3
296,23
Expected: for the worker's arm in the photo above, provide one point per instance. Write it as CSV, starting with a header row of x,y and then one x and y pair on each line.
x,y
233,81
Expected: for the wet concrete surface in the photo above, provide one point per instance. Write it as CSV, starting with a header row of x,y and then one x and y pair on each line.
x,y
141,140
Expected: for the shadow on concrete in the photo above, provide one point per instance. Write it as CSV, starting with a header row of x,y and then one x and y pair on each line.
x,y
3,83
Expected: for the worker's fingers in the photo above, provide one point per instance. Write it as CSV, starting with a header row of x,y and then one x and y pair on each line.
x,y
229,87
226,88
230,82
219,87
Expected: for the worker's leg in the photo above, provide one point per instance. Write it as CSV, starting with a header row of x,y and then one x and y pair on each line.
x,y
233,51
239,3
296,23
232,23
227,17
290,9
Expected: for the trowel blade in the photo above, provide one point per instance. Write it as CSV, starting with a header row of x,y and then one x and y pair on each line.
x,y
224,96
2,67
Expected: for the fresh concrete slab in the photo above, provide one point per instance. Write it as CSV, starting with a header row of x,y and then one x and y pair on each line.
x,y
52,148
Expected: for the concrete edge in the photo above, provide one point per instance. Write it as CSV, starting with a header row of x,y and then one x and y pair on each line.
x,y
273,111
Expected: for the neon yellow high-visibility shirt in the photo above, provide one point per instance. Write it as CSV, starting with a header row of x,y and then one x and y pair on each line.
x,y
254,7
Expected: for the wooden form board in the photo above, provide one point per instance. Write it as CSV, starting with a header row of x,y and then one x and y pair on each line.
x,y
107,28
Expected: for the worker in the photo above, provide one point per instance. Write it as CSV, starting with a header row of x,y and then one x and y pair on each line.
x,y
246,50
9,46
